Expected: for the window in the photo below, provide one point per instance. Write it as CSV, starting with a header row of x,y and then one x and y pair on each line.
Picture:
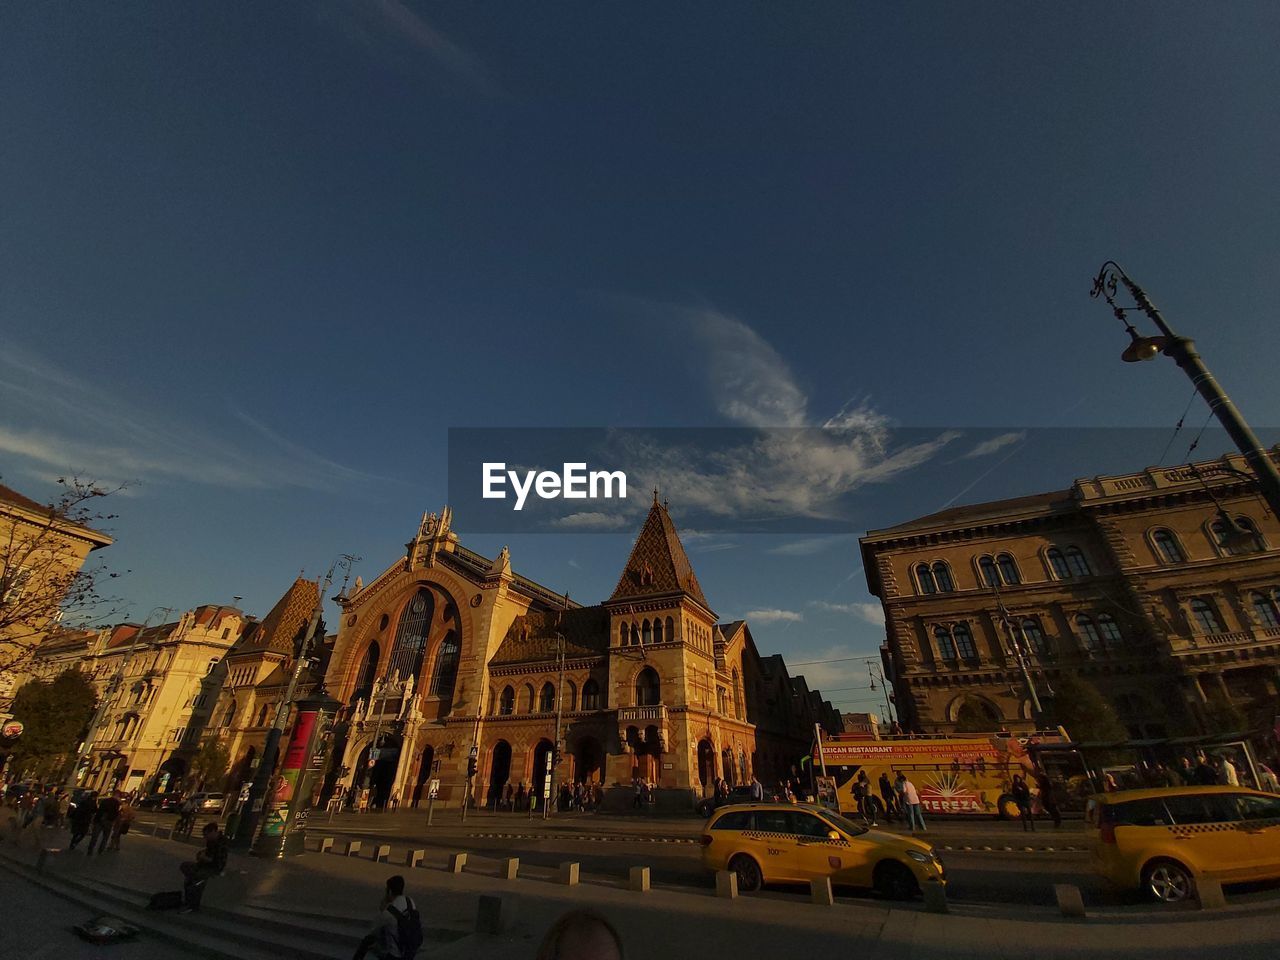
x,y
1264,605
1110,629
547,699
1258,808
924,579
1077,563
942,577
527,699
1137,813
1059,564
570,696
735,820
946,648
1034,638
1167,548
1233,543
646,634
964,642
411,636
990,577
1008,569
446,666
1205,616
1203,808
657,630
623,635
648,688
1089,633
507,702
806,825
773,821
591,695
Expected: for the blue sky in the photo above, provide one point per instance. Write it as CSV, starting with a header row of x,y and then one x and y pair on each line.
x,y
259,258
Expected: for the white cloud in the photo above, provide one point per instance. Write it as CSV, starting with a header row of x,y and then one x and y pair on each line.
x,y
806,547
773,616
995,443
751,384
591,520
870,612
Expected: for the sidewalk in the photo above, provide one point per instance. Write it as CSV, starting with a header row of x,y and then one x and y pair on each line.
x,y
342,892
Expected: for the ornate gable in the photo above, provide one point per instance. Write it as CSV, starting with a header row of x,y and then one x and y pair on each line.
x,y
658,564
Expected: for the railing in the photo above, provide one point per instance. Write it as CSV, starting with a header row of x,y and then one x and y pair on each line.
x,y
657,712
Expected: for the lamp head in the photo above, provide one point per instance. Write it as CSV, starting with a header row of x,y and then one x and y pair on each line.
x,y
1142,348
1236,539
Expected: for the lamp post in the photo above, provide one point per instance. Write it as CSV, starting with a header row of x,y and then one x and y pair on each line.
x,y
1183,352
555,748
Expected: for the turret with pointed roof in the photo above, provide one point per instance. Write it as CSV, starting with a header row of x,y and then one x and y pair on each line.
x,y
658,565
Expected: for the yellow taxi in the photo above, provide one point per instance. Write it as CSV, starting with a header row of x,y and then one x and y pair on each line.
x,y
1161,840
795,843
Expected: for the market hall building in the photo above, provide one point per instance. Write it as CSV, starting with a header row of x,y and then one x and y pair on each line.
x,y
448,654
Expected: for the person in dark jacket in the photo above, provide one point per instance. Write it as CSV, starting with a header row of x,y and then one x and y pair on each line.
x,y
1021,794
104,821
81,817
209,862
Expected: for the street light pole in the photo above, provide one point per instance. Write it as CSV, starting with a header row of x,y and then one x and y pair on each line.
x,y
1184,354
555,748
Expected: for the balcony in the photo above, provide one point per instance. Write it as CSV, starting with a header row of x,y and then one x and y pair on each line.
x,y
1230,639
634,724
656,713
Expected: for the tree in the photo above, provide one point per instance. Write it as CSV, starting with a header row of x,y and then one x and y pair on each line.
x,y
974,717
210,764
42,576
55,715
1084,712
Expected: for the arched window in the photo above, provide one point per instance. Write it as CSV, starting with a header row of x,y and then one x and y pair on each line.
x,y
1206,616
1077,562
1168,550
1264,605
657,630
591,695
946,647
942,577
1058,563
527,699
1232,543
547,699
635,635
507,702
229,717
646,634
410,646
570,696
990,577
1089,633
737,694
671,630
963,637
623,635
262,716
1034,637
1008,569
1110,629
368,671
924,579
446,666
648,688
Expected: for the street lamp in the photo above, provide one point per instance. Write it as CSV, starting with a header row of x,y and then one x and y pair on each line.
x,y
1183,351
555,757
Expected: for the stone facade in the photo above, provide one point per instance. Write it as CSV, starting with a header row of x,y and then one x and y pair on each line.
x,y
447,654
1132,581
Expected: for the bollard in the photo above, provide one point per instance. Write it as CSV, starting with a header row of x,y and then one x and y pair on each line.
x,y
1070,902
638,879
414,858
510,868
382,853
326,845
1209,894
820,891
353,848
495,914
457,861
44,855
569,873
935,897
726,884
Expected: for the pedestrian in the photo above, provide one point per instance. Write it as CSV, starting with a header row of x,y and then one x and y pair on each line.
x,y
1270,783
757,789
598,795
887,795
209,862
636,793
581,935
1227,775
912,807
510,798
1186,770
520,796
1205,775
866,799
1048,800
81,817
398,929
104,821
1021,794
123,822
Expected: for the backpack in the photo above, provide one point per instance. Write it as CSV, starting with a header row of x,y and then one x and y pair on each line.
x,y
408,929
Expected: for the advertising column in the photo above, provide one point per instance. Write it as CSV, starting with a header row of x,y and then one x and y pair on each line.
x,y
289,795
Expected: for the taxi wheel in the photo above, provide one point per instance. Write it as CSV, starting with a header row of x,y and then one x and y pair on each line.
x,y
749,877
894,881
1168,881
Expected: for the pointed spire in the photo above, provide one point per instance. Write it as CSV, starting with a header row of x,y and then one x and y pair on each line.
x,y
658,563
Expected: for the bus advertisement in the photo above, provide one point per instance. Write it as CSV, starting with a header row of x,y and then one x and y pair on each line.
x,y
964,774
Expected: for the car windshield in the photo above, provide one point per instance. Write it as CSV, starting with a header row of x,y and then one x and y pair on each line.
x,y
848,826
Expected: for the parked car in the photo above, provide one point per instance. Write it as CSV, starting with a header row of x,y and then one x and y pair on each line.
x,y
1162,840
161,802
209,802
795,843
740,794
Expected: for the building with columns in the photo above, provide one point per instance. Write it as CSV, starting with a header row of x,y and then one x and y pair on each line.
x,y
1161,587
447,654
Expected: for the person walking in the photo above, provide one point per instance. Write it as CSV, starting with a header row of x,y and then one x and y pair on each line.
x,y
104,821
209,862
1021,794
888,796
867,799
757,789
635,793
1048,800
123,822
393,934
81,818
911,804
520,796
1227,774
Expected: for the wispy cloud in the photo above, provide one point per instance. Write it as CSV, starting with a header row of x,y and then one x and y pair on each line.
x,y
750,382
806,547
377,23
987,447
73,426
774,616
591,520
870,612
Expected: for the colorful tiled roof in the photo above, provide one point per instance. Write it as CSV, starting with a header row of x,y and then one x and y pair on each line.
x,y
532,637
658,564
280,628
